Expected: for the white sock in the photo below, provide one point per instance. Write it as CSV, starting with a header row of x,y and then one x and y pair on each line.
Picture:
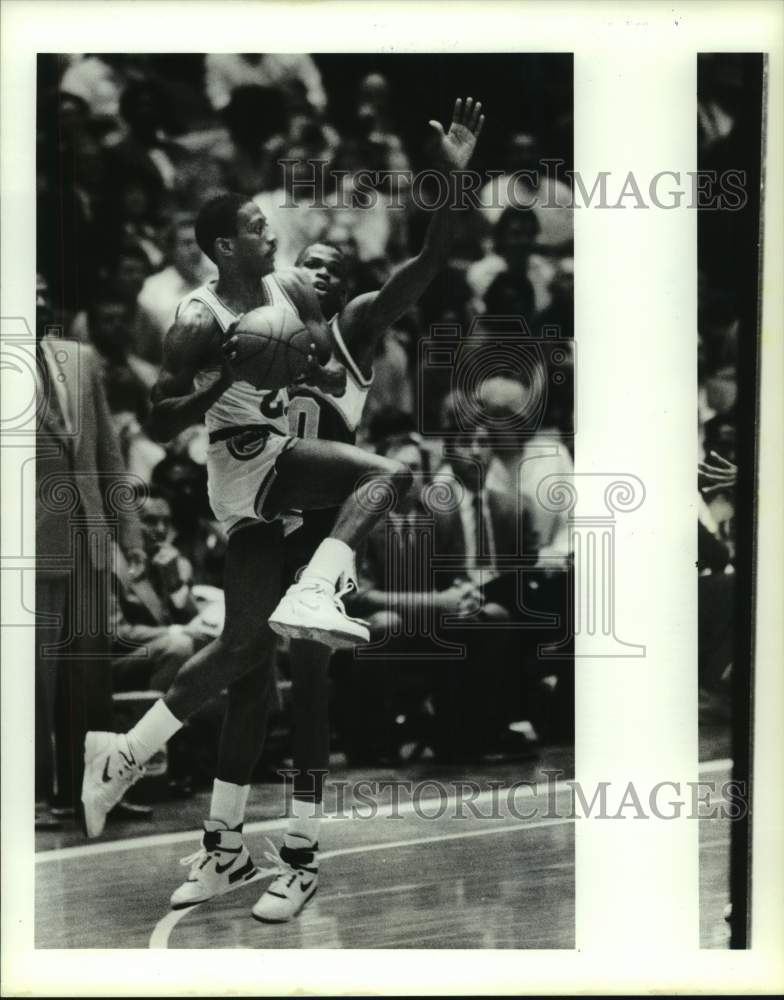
x,y
303,828
228,802
330,560
155,728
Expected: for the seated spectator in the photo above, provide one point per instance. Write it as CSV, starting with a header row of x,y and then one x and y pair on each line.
x,y
134,214
158,622
375,220
147,155
529,453
99,80
188,268
127,378
296,210
526,184
376,124
71,226
415,609
197,535
124,283
560,313
256,125
285,72
513,280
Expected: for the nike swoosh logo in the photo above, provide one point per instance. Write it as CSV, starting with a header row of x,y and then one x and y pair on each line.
x,y
220,869
305,886
106,775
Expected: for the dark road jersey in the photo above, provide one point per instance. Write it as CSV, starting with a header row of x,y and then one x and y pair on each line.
x,y
316,414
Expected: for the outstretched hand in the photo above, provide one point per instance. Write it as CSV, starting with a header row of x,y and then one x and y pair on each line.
x,y
458,144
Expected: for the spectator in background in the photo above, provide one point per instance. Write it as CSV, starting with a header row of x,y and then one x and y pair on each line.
x,y
289,209
124,283
256,125
159,625
529,454
82,491
196,533
149,158
187,269
513,280
135,217
559,314
99,81
127,378
526,184
376,223
287,72
71,229
376,127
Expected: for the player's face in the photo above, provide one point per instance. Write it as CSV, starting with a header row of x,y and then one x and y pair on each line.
x,y
255,243
326,271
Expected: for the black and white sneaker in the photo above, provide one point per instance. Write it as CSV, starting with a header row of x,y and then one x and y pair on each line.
x,y
292,889
222,864
311,610
110,769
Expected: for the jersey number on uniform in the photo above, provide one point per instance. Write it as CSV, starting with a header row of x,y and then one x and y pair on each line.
x,y
272,405
304,414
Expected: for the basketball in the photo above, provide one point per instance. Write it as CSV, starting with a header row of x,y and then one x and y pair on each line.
x,y
273,345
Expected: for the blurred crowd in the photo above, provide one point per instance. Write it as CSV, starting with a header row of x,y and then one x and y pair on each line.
x,y
728,139
128,148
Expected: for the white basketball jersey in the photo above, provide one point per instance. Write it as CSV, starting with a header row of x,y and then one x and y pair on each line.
x,y
241,404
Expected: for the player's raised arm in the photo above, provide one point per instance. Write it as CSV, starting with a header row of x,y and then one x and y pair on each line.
x,y
371,314
190,345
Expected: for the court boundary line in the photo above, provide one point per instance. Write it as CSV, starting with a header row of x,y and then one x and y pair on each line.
x,y
260,826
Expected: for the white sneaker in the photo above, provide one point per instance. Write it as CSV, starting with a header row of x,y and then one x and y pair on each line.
x,y
222,864
110,769
292,889
309,610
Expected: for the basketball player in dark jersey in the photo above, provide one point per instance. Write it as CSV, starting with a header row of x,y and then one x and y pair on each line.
x,y
308,473
356,329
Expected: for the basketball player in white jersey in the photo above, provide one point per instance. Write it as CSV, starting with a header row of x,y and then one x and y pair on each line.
x,y
259,473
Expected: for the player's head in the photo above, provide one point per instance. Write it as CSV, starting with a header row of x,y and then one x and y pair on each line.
x,y
232,231
325,266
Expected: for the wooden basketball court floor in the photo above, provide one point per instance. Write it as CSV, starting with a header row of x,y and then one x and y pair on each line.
x,y
414,880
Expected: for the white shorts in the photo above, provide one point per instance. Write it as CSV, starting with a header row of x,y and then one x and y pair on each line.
x,y
240,474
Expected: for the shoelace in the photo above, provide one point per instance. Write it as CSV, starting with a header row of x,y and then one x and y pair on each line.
x,y
193,859
286,873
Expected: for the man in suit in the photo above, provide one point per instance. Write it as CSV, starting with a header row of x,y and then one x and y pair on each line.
x,y
85,508
476,535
